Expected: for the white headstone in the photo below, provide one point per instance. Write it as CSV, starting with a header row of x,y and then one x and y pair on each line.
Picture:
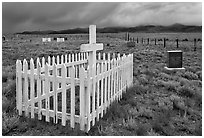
x,y
60,39
46,39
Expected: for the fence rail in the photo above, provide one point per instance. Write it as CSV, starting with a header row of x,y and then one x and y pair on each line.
x,y
68,89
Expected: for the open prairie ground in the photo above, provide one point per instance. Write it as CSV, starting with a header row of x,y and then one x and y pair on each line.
x,y
160,102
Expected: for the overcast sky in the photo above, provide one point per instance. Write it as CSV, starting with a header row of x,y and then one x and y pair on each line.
x,y
22,16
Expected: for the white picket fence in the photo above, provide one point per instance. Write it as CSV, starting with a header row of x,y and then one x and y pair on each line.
x,y
63,88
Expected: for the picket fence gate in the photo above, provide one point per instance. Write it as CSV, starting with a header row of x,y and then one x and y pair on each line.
x,y
62,88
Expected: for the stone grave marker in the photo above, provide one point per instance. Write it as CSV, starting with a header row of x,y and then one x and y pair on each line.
x,y
174,60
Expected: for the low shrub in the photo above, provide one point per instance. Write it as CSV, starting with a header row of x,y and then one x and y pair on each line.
x,y
169,85
5,104
198,130
130,124
186,91
161,120
164,76
143,79
157,127
145,112
199,74
149,73
9,94
184,81
196,83
136,89
9,122
10,90
141,130
190,75
198,98
4,77
117,111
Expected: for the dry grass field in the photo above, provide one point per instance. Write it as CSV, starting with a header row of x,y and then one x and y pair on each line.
x,y
160,102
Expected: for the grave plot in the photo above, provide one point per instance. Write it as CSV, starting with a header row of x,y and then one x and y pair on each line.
x,y
76,88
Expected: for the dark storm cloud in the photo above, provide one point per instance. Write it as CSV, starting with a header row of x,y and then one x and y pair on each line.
x,y
17,17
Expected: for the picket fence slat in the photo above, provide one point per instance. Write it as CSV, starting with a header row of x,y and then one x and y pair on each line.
x,y
102,85
64,106
19,87
46,90
93,94
25,70
72,97
97,90
38,88
82,99
88,94
105,88
55,86
32,81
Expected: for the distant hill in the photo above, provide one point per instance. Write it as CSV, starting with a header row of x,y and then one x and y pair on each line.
x,y
147,28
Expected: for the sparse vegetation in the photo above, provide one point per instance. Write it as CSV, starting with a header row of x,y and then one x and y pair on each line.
x,y
159,103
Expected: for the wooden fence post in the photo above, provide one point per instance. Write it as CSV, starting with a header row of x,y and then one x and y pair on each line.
x,y
177,45
195,44
164,42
